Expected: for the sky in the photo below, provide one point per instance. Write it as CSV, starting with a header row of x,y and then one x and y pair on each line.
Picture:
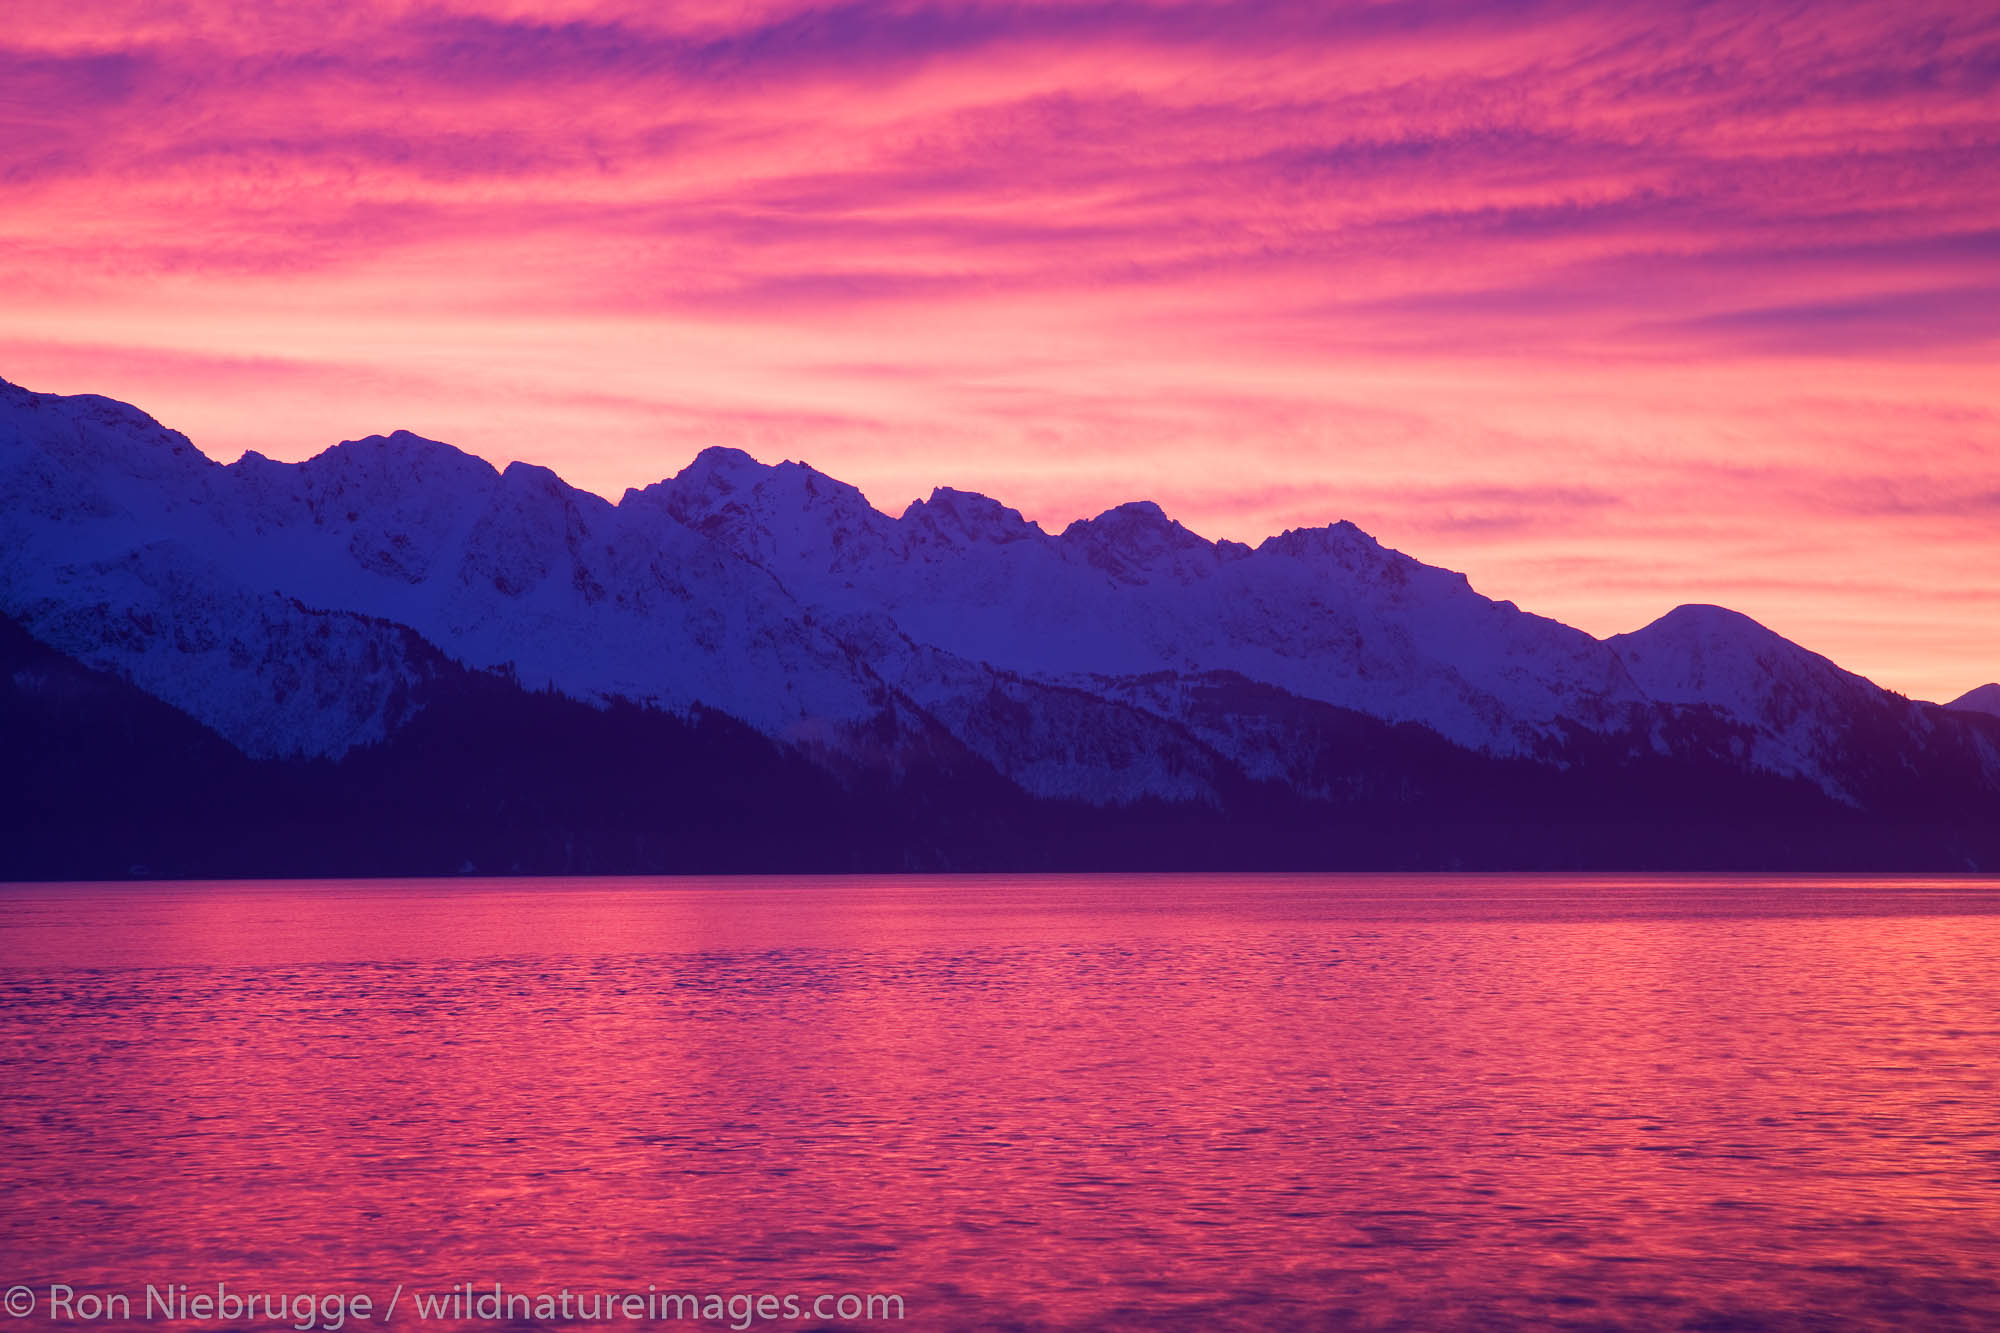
x,y
1612,307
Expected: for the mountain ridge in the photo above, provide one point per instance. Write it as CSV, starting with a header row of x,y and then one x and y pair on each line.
x,y
1980,699
1125,660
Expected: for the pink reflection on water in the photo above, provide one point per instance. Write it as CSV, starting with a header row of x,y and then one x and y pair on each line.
x,y
1055,1103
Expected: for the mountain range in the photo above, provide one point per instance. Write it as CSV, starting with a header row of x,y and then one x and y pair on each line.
x,y
394,658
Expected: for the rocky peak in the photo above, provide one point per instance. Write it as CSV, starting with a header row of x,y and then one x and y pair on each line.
x,y
1137,538
958,518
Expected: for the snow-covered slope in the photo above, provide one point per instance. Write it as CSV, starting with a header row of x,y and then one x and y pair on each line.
x,y
1053,741
113,522
1134,607
519,568
148,598
293,607
1984,699
1803,715
265,599
1325,613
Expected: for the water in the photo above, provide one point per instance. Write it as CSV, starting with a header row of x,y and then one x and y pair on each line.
x,y
1094,1103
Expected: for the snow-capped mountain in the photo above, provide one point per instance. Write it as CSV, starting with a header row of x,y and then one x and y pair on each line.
x,y
1326,613
1803,715
128,548
306,609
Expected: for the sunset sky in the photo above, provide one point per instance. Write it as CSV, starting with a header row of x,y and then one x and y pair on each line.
x,y
1611,306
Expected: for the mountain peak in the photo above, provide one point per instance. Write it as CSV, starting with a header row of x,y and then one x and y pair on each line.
x,y
397,459
1702,653
1341,538
720,478
93,408
1131,539
717,470
1984,699
1133,515
99,445
89,407
1706,618
721,467
956,517
1134,521
534,479
402,444
1344,547
1691,633
710,481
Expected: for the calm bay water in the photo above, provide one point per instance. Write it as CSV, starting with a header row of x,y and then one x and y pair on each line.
x,y
1070,1103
